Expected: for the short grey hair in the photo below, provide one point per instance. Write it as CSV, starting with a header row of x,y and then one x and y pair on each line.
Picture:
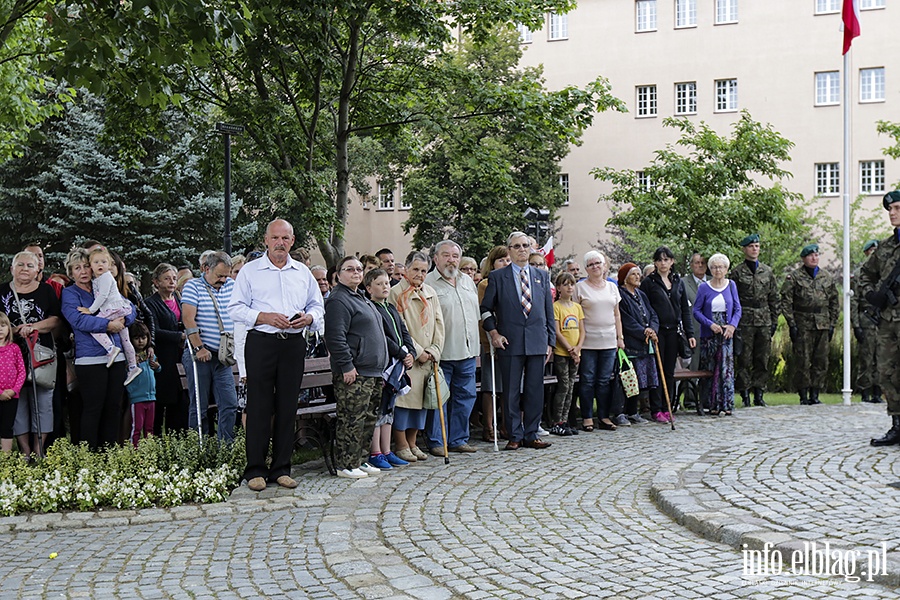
x,y
718,259
214,259
515,235
75,257
318,268
442,243
24,254
416,255
593,254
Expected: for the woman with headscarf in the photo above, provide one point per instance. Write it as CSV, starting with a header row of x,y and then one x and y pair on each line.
x,y
640,325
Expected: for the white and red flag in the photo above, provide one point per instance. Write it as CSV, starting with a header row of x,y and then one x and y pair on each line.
x,y
547,251
850,18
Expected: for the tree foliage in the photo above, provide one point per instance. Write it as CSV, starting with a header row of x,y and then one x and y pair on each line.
x,y
891,130
706,192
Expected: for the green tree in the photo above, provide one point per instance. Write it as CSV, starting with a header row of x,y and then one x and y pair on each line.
x,y
495,151
891,130
706,192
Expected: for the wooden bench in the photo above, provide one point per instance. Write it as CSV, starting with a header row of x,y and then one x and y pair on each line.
x,y
688,383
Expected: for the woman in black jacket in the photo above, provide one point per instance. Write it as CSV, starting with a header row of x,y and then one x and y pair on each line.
x,y
665,291
639,325
165,309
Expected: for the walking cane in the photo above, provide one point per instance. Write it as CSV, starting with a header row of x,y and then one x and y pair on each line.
x,y
197,398
494,398
441,413
662,376
34,414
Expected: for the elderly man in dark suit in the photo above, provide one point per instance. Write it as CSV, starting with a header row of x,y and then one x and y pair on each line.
x,y
517,314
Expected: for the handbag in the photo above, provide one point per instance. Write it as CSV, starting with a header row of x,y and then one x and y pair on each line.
x,y
627,375
226,338
684,346
42,362
430,395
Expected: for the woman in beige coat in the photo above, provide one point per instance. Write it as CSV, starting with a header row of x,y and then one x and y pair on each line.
x,y
420,310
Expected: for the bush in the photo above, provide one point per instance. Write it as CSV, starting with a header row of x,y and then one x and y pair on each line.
x,y
161,471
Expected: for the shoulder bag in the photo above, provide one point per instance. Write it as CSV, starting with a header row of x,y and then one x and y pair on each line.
x,y
430,395
627,375
226,339
42,362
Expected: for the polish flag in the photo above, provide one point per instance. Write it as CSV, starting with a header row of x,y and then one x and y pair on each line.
x,y
850,16
547,251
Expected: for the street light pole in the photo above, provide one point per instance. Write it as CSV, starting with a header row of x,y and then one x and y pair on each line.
x,y
227,130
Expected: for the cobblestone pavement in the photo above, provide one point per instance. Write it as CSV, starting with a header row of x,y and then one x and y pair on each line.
x,y
643,512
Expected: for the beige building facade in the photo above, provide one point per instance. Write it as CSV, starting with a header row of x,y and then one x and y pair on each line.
x,y
706,60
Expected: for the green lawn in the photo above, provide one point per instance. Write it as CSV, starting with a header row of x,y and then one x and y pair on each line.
x,y
793,399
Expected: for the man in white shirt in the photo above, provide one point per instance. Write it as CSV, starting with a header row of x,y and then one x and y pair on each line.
x,y
276,297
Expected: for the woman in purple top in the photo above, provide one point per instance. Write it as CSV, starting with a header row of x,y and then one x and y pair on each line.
x,y
718,311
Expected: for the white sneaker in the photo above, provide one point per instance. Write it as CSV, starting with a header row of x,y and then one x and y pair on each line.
x,y
112,356
541,432
132,374
369,469
351,474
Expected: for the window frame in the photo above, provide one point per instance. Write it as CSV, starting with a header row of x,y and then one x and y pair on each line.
x,y
562,25
873,86
651,108
686,9
834,97
651,13
731,6
828,179
873,171
875,4
730,90
526,36
383,199
564,184
688,97
826,10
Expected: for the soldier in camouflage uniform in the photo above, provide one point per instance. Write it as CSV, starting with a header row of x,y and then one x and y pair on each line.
x,y
758,293
809,301
865,331
874,274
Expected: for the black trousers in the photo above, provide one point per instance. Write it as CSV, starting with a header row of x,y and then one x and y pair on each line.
x,y
274,374
102,391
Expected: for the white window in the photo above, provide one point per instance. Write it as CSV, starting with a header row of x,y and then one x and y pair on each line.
x,y
645,15
385,196
871,85
404,203
646,100
828,88
564,184
871,177
828,179
643,181
827,6
686,98
726,11
726,95
559,26
685,13
870,4
525,36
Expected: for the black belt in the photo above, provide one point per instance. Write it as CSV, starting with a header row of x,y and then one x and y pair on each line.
x,y
280,335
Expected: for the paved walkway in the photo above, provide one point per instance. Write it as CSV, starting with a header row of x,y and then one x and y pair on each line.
x,y
643,512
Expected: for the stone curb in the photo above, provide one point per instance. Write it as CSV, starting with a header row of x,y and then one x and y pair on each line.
x,y
677,491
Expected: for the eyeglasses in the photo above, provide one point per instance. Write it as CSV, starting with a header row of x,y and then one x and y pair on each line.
x,y
594,264
519,246
352,269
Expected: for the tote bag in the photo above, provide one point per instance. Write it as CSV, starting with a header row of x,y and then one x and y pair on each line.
x,y
627,375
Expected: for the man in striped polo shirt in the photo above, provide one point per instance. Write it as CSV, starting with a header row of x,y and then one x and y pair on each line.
x,y
204,304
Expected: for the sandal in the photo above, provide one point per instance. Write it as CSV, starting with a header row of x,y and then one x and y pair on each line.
x,y
487,434
587,428
606,426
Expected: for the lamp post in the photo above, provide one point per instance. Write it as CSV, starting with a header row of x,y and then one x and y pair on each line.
x,y
227,130
540,222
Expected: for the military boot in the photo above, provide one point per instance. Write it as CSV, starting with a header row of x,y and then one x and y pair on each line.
x,y
876,395
758,397
745,396
892,436
866,397
814,396
803,398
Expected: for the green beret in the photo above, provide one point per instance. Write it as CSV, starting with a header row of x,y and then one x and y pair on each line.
x,y
890,198
870,244
753,238
807,250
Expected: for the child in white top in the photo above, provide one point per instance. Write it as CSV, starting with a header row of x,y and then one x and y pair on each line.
x,y
111,305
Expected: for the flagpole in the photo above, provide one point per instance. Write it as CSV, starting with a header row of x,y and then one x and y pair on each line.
x,y
848,388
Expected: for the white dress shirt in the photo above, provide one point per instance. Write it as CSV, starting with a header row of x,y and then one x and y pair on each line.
x,y
262,287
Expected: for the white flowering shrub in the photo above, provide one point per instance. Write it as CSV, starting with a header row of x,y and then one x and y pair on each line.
x,y
161,471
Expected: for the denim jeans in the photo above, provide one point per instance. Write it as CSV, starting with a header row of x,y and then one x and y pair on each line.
x,y
460,376
216,376
596,373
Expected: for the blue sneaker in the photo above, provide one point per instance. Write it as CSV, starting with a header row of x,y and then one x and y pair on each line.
x,y
380,462
395,460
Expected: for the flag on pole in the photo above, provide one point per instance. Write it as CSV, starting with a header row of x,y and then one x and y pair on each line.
x,y
547,251
850,17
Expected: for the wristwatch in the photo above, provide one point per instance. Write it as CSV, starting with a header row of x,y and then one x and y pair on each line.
x,y
197,349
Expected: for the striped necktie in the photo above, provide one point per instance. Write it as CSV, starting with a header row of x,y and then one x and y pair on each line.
x,y
526,292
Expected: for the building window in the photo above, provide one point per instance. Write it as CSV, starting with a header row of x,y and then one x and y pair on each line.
x,y
726,95
686,98
404,203
525,36
870,4
564,184
726,11
685,13
824,7
871,177
559,26
828,179
828,88
385,196
871,85
646,100
643,181
645,15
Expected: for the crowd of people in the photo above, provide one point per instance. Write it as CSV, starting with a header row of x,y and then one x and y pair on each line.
x,y
404,337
